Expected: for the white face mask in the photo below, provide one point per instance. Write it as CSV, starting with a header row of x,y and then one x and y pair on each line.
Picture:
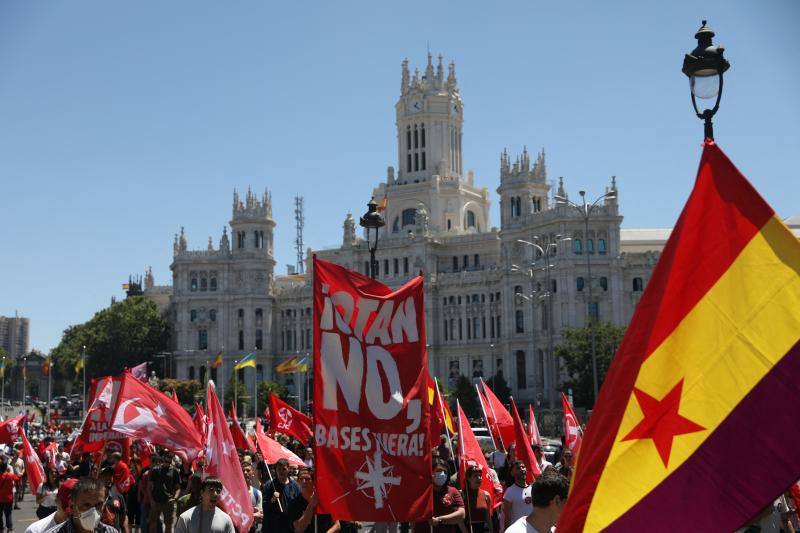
x,y
439,479
89,519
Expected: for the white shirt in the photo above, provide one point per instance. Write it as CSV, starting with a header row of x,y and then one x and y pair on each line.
x,y
544,464
190,521
42,526
521,526
520,500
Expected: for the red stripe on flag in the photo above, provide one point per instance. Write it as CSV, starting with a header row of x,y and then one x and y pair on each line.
x,y
722,215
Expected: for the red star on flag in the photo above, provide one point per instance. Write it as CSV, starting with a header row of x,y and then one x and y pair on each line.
x,y
661,421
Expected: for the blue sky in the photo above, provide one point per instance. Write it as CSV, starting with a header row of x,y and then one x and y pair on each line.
x,y
120,122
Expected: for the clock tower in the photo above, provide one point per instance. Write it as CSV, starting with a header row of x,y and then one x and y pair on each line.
x,y
429,121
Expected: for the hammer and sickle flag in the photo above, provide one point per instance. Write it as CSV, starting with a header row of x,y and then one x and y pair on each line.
x,y
706,374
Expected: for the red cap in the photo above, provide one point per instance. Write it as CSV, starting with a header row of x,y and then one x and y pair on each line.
x,y
65,491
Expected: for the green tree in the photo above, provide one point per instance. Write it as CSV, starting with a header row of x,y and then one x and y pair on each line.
x,y
265,387
235,390
576,350
467,396
188,390
122,335
500,387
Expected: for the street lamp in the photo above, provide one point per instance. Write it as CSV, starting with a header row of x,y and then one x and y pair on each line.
x,y
372,221
585,210
704,66
546,252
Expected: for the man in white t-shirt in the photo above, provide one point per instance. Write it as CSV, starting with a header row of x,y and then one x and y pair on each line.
x,y
62,509
549,495
517,498
540,458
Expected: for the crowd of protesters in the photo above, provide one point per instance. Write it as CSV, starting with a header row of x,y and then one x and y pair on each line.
x,y
156,492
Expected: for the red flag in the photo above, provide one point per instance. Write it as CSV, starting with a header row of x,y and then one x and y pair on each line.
x,y
239,438
175,397
289,420
94,434
50,452
533,427
470,451
33,417
437,424
123,479
273,450
499,417
144,412
199,419
523,449
11,429
572,427
33,467
222,461
371,410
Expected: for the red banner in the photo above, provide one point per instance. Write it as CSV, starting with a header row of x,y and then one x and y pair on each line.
x,y
371,411
11,429
572,426
94,434
288,420
33,466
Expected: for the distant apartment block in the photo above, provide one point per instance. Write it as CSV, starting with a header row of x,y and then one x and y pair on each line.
x,y
15,335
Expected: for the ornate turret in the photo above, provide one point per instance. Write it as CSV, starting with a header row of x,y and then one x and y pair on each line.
x,y
149,281
404,82
561,193
182,241
224,244
349,237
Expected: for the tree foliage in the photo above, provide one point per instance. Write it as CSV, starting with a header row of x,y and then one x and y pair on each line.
x,y
188,390
122,335
500,387
576,350
243,390
467,396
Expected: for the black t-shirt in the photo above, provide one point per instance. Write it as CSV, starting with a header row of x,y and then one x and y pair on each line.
x,y
165,479
296,509
275,520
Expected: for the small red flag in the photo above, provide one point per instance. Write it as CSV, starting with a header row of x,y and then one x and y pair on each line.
x,y
273,450
33,466
199,419
533,427
11,429
499,417
222,461
239,438
289,420
572,427
523,449
470,451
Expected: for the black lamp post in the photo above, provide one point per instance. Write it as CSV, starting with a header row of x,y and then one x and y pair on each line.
x,y
704,66
372,221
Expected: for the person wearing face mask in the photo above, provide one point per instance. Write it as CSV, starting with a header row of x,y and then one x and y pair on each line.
x,y
549,494
86,503
517,499
448,506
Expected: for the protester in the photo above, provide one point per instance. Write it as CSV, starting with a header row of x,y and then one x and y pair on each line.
x,y
277,494
18,464
517,499
206,517
255,494
540,458
7,481
163,489
192,497
302,510
564,467
549,495
478,502
46,498
62,509
115,511
448,507
86,503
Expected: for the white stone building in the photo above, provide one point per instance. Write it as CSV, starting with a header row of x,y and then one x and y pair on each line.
x,y
486,307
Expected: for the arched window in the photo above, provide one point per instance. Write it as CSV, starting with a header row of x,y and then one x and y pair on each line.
x,y
604,283
203,284
553,286
408,162
191,372
241,339
416,137
522,382
601,246
471,219
543,313
193,285
540,367
589,246
579,283
577,246
193,315
408,145
408,217
455,263
202,339
259,339
422,134
517,289
519,319
213,284
212,315
638,286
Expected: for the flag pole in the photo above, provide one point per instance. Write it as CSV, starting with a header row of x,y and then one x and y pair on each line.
x,y
255,392
235,387
83,367
273,488
460,458
3,388
49,387
220,373
485,418
444,417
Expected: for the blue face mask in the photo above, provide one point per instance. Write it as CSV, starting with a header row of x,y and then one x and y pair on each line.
x,y
439,479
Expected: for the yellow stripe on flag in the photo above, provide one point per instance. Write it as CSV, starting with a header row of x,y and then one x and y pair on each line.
x,y
734,335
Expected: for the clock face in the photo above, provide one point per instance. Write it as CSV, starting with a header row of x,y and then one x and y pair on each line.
x,y
415,106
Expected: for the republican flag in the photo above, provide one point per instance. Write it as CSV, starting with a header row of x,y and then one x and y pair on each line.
x,y
502,425
288,420
441,416
33,466
222,461
523,450
272,450
696,423
237,433
572,426
470,451
11,428
143,412
371,410
533,427
287,367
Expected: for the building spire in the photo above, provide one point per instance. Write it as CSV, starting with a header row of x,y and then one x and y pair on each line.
x,y
439,72
452,83
405,77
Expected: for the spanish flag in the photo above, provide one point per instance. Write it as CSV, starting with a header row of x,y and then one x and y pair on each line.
x,y
217,362
248,360
46,364
288,366
383,204
696,427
